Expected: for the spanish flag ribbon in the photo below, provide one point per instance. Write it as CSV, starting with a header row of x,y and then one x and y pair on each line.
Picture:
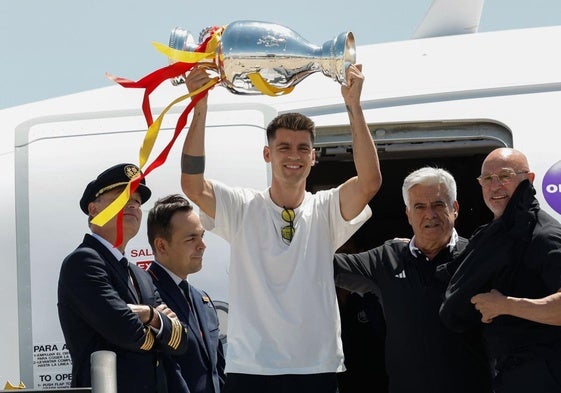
x,y
151,135
149,83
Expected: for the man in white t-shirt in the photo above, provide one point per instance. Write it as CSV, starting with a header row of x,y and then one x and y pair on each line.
x,y
284,328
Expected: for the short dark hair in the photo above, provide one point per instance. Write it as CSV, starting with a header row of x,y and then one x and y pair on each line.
x,y
291,121
160,215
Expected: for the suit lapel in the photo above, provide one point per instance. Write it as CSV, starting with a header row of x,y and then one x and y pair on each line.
x,y
170,293
118,270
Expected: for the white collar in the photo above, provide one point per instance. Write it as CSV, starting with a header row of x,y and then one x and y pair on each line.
x,y
415,251
114,250
176,279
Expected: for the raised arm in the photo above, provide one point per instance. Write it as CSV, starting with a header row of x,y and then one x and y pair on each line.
x,y
359,190
194,185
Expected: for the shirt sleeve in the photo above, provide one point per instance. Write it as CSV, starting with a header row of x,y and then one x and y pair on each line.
x,y
356,272
342,229
231,203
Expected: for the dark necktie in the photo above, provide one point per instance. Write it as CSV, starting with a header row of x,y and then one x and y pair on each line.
x,y
132,281
184,285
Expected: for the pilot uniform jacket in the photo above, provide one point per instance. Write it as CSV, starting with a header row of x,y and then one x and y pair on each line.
x,y
422,355
94,289
202,365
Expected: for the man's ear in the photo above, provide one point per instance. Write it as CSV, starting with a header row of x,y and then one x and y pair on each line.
x,y
160,245
92,209
267,154
407,214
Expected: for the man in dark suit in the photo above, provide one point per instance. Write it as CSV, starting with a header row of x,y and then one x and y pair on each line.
x,y
176,236
105,303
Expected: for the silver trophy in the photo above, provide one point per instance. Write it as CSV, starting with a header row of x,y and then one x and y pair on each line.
x,y
280,56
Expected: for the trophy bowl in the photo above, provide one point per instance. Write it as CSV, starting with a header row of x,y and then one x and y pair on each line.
x,y
280,56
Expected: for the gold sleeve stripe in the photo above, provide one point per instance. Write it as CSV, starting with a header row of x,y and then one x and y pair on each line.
x,y
174,339
149,340
176,330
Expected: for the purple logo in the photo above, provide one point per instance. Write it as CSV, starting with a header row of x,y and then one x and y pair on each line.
x,y
551,187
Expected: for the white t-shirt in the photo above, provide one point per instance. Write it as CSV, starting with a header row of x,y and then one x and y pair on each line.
x,y
283,315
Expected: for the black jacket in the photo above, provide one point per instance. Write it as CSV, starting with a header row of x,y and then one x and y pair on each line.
x,y
422,355
93,292
519,254
201,367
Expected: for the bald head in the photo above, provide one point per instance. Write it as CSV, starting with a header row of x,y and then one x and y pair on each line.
x,y
508,158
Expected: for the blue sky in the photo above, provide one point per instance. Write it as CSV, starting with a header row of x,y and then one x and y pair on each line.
x,y
57,47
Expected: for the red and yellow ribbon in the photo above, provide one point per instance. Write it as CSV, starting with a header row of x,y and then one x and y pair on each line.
x,y
149,83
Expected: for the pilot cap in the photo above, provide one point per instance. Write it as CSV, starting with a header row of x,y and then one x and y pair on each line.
x,y
116,176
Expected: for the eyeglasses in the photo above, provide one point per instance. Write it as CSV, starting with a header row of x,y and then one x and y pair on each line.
x,y
504,177
287,231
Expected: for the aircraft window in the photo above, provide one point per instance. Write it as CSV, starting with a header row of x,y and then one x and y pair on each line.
x,y
417,139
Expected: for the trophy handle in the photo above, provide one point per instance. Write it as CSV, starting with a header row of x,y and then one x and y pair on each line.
x,y
182,39
338,55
